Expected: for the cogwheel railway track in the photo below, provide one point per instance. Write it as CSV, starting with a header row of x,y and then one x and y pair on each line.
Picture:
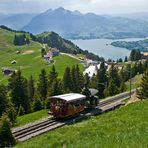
x,y
32,130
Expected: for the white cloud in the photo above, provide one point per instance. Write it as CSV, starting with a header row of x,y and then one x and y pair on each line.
x,y
97,6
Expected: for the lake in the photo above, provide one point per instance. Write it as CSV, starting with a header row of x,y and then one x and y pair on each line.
x,y
103,47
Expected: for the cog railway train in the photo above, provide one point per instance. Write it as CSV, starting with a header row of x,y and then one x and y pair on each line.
x,y
68,105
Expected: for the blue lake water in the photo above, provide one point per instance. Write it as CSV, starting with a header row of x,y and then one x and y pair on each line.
x,y
103,47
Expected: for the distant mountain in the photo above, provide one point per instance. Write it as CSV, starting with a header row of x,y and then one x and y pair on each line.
x,y
142,16
74,25
16,21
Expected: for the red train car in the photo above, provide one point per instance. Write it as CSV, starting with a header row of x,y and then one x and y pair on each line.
x,y
66,105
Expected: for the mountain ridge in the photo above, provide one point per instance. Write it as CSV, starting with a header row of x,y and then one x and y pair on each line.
x,y
76,25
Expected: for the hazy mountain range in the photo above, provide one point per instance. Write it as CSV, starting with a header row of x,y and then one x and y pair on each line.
x,y
16,21
74,25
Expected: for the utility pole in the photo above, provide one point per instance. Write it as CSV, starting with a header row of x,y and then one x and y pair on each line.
x,y
130,81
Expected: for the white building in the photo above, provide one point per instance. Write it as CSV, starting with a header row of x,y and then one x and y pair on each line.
x,y
92,70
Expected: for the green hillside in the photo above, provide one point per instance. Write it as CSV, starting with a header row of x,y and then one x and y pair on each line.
x,y
52,39
124,127
29,60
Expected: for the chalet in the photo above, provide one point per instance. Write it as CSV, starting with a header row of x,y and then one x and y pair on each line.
x,y
48,57
88,62
13,62
7,71
55,52
18,52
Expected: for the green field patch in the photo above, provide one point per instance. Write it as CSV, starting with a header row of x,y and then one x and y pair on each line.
x,y
25,119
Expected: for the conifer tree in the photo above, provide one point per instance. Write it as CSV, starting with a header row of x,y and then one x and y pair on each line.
x,y
54,84
3,99
79,80
37,104
56,88
53,75
67,81
11,112
42,84
101,79
21,111
122,87
19,91
6,137
31,88
143,94
74,79
126,59
112,89
113,75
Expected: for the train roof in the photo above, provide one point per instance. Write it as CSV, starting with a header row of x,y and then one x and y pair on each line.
x,y
70,97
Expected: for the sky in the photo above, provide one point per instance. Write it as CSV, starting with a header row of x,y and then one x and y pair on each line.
x,y
84,6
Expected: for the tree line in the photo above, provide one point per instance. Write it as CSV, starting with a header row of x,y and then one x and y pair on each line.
x,y
20,40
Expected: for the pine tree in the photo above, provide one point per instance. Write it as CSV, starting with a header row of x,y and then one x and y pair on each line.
x,y
101,79
53,75
19,91
144,86
67,81
120,60
54,84
140,69
56,88
79,80
31,88
126,59
3,99
37,104
127,72
134,69
135,55
74,79
122,87
11,112
43,52
21,111
113,75
112,89
42,84
6,137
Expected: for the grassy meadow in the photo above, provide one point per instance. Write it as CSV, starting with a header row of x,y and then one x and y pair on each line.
x,y
29,60
122,128
28,118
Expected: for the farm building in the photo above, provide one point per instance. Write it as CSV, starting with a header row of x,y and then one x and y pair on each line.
x,y
55,52
7,71
18,52
48,57
13,62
